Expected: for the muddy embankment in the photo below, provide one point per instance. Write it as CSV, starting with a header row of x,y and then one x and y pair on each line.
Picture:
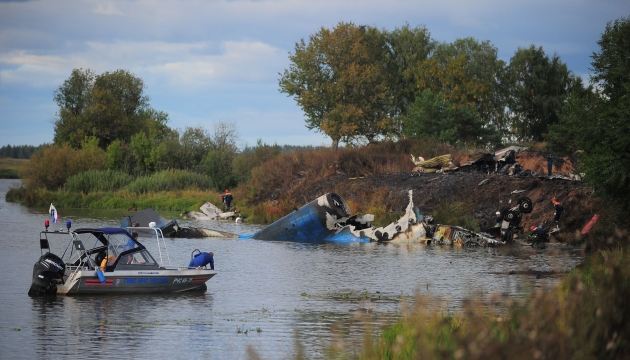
x,y
433,190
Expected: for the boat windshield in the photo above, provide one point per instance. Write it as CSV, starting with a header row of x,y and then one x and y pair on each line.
x,y
101,249
141,258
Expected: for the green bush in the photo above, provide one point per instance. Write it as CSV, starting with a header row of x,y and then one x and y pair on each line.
x,y
98,180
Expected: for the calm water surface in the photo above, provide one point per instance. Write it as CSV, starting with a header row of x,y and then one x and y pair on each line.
x,y
272,297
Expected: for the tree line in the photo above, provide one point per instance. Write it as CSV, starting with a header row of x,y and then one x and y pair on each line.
x,y
19,151
357,84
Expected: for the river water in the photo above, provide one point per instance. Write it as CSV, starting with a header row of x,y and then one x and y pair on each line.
x,y
270,298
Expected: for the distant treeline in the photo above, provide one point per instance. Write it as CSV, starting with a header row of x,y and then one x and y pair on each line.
x,y
19,151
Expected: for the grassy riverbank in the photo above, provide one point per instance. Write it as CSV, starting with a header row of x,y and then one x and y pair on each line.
x,y
164,200
585,317
9,168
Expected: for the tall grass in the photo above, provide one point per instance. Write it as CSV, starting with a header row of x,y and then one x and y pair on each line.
x,y
98,180
170,180
184,200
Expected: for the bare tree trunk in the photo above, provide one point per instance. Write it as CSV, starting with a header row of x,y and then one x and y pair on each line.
x,y
335,144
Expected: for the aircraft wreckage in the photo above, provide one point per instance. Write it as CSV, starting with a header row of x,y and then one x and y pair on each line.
x,y
328,219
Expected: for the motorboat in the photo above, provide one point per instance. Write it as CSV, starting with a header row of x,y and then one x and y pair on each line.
x,y
109,261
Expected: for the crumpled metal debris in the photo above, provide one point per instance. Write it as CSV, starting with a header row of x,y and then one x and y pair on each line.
x,y
437,164
328,219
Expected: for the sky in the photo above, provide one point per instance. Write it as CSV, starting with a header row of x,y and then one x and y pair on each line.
x,y
210,61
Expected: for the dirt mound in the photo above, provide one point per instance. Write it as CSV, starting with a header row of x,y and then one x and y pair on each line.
x,y
537,161
430,191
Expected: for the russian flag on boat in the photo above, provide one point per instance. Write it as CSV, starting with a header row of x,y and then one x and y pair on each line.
x,y
53,212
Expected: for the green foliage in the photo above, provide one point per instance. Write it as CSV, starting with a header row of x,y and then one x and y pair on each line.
x,y
358,84
122,199
115,156
433,117
611,68
218,162
170,180
20,151
195,143
407,47
218,165
98,180
468,73
540,85
338,79
110,106
148,152
252,157
598,124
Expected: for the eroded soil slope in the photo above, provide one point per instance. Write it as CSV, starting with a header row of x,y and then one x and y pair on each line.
x,y
431,191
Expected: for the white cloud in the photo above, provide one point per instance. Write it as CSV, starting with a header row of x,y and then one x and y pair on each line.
x,y
179,64
238,62
107,8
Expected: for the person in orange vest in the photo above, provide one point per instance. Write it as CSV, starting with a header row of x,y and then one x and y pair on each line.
x,y
227,198
107,261
557,211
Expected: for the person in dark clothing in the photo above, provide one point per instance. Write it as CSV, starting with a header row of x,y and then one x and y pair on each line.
x,y
538,231
202,259
549,164
539,234
227,198
557,211
498,218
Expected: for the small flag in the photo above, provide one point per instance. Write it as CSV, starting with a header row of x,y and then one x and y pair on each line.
x,y
53,212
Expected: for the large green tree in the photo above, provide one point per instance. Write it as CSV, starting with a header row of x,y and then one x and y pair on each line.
x,y
407,47
110,106
468,73
539,87
339,80
598,123
218,163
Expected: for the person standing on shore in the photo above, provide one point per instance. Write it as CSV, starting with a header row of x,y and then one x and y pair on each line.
x,y
557,211
549,164
227,198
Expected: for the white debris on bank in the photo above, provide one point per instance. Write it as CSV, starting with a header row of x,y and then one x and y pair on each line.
x,y
209,211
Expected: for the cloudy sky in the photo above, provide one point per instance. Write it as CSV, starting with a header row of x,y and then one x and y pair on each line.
x,y
207,61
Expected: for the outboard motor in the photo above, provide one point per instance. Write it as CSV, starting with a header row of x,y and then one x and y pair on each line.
x,y
47,273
